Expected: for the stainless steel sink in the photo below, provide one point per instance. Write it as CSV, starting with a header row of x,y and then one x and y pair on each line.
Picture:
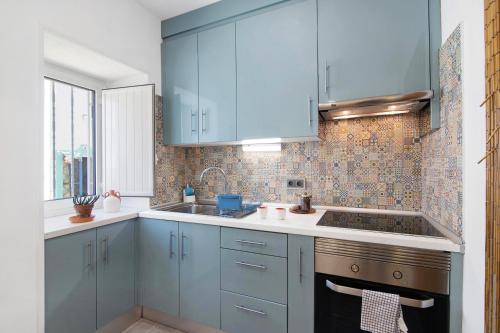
x,y
210,209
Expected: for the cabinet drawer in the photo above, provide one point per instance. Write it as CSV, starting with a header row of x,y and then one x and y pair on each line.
x,y
254,241
254,275
242,314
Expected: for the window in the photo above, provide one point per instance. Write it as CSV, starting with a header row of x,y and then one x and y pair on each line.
x,y
69,142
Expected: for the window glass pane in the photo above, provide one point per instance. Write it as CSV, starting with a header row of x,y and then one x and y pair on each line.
x,y
83,137
69,139
48,142
62,141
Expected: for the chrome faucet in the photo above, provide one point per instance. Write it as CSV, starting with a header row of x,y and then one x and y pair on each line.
x,y
218,169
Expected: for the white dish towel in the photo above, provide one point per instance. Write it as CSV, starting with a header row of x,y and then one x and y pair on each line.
x,y
381,313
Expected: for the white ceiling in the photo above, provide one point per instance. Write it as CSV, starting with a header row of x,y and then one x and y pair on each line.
x,y
66,53
169,8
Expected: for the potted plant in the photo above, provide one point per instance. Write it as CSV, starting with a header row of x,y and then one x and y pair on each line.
x,y
83,205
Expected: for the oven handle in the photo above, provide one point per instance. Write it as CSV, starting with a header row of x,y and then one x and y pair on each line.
x,y
414,303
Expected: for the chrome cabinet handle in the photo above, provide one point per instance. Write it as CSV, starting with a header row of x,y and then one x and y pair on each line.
x,y
327,78
309,109
89,254
262,313
105,250
245,242
193,115
242,263
182,246
204,117
414,303
171,246
300,265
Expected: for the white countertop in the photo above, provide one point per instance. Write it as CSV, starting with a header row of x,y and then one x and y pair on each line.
x,y
293,224
60,225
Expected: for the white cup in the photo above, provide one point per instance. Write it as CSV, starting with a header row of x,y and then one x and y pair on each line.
x,y
262,211
281,212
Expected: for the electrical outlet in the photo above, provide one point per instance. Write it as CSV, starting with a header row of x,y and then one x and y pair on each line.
x,y
299,183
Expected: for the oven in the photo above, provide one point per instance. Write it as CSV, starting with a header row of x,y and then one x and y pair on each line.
x,y
345,268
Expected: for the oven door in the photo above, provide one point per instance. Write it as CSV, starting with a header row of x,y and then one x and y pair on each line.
x,y
338,306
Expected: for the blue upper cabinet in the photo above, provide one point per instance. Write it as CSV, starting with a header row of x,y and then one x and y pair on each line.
x,y
217,89
372,48
116,271
200,273
180,90
70,283
277,85
159,260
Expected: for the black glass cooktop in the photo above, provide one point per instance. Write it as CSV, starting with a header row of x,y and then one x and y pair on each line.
x,y
411,225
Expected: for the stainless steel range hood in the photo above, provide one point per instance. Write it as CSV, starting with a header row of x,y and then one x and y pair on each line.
x,y
375,106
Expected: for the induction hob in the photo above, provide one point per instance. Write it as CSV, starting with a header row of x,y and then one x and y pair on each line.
x,y
401,224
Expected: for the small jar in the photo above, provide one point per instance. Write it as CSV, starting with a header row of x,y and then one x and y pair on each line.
x,y
281,213
262,212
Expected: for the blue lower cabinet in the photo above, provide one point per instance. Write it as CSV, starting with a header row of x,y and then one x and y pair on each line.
x,y
243,314
300,284
115,271
200,273
70,283
262,242
159,265
255,275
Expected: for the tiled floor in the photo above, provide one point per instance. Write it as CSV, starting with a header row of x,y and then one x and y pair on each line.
x,y
145,326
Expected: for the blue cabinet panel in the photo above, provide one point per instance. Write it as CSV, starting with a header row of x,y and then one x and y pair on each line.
x,y
254,241
200,273
372,48
255,275
159,261
217,90
300,284
242,314
180,90
277,84
213,13
70,283
116,271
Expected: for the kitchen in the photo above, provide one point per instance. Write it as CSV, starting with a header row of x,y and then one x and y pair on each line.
x,y
270,178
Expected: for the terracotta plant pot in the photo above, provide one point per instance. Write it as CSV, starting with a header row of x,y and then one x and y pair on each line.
x,y
84,210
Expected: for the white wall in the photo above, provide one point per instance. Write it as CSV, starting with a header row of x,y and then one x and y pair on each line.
x,y
119,29
470,13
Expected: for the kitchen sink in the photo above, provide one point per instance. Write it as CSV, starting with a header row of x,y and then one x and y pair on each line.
x,y
210,209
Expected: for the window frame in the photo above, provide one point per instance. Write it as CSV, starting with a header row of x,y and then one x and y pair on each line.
x,y
93,126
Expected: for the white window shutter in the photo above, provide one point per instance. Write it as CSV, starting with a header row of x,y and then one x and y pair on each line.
x,y
128,140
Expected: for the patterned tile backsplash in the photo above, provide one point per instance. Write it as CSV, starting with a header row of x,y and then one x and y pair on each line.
x,y
442,149
170,168
369,162
378,162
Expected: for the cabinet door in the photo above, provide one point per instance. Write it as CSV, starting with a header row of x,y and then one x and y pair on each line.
x,y
180,90
372,48
300,284
116,271
217,72
200,273
70,283
159,265
277,85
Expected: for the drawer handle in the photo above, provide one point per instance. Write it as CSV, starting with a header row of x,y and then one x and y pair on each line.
x,y
414,303
262,313
250,265
246,242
